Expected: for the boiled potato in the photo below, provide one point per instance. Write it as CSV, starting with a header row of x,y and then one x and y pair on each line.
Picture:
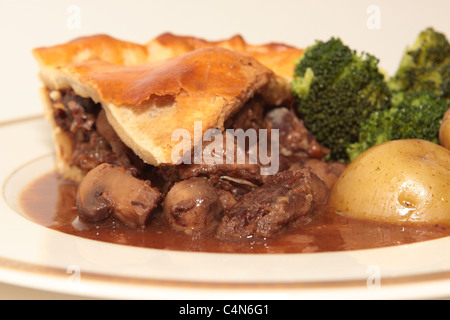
x,y
444,131
401,182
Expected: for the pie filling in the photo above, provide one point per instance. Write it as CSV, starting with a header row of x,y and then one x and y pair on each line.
x,y
232,201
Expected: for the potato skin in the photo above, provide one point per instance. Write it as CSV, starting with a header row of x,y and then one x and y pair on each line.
x,y
399,182
444,131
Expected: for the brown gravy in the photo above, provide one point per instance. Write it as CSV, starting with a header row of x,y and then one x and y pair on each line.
x,y
50,201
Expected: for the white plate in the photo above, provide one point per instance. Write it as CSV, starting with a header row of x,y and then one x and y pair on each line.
x,y
36,257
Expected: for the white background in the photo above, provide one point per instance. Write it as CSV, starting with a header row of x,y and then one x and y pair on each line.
x,y
28,24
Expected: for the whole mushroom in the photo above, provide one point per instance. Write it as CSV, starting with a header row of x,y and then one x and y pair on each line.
x,y
109,190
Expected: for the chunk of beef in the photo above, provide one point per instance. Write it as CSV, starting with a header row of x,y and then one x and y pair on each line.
x,y
93,140
251,116
248,172
265,211
235,187
328,172
109,190
74,113
193,206
215,173
296,142
95,151
227,199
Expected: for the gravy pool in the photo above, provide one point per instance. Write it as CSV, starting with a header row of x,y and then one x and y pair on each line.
x,y
50,201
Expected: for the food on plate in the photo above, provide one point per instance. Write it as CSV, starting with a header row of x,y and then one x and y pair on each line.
x,y
417,117
114,117
349,105
285,198
400,182
425,66
145,104
227,146
193,206
111,190
336,88
420,92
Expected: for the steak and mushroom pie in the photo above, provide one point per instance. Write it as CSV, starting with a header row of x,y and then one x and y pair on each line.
x,y
129,123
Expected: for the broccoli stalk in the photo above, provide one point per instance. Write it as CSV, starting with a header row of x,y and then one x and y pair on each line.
x,y
336,89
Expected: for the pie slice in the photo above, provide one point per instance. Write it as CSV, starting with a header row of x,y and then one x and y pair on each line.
x,y
119,102
118,111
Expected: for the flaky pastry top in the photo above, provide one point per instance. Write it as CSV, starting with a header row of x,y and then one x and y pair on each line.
x,y
276,56
145,102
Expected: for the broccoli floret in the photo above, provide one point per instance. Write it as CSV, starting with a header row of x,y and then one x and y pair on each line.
x,y
336,88
376,129
417,117
420,95
425,66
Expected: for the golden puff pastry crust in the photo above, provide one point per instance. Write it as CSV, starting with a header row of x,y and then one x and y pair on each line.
x,y
145,101
276,56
